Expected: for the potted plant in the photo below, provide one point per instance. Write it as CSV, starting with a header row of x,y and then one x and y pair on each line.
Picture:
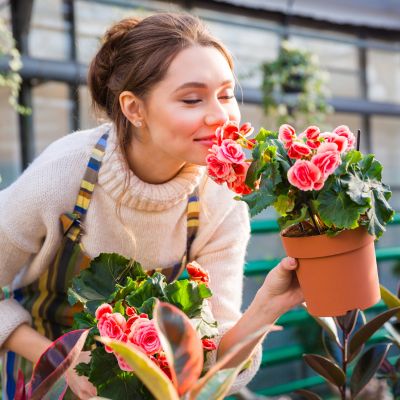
x,y
294,85
345,365
331,201
11,79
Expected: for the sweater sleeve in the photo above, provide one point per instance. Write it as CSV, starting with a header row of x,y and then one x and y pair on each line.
x,y
30,230
223,256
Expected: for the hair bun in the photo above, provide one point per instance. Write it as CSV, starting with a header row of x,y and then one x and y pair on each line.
x,y
118,30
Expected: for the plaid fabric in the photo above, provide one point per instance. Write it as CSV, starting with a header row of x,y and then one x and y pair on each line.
x,y
46,298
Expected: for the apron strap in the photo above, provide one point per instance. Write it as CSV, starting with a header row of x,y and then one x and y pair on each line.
x,y
72,222
193,213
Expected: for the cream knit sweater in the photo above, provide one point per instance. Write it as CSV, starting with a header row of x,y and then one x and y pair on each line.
x,y
153,227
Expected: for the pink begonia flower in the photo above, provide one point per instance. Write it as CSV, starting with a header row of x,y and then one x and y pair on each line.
x,y
344,130
112,326
305,175
105,308
237,179
286,135
239,186
218,170
123,365
327,162
230,152
231,130
311,136
298,150
340,141
144,335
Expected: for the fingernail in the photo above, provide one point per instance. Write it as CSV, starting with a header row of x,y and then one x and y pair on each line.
x,y
292,261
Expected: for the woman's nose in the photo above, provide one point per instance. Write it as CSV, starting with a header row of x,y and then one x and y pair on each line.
x,y
216,114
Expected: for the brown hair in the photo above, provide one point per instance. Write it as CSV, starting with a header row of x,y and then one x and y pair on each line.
x,y
136,54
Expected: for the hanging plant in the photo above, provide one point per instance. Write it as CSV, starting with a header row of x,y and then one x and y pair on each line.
x,y
294,87
11,79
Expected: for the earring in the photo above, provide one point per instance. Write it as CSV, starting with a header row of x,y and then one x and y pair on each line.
x,y
138,124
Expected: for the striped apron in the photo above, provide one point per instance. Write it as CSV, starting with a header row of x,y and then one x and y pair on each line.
x,y
46,298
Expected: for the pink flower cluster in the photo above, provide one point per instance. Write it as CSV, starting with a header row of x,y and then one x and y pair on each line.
x,y
138,330
317,154
227,161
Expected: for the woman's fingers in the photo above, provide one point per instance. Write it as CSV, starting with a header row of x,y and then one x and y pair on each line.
x,y
288,263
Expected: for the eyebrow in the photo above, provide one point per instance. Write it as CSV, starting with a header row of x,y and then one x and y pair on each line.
x,y
200,85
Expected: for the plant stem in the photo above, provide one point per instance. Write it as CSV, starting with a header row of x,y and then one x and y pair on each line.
x,y
313,218
344,364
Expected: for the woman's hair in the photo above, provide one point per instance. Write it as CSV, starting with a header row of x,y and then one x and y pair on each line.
x,y
135,55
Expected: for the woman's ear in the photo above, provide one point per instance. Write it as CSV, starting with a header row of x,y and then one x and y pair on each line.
x,y
132,108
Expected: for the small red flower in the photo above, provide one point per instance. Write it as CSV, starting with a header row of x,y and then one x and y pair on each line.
x,y
208,344
196,273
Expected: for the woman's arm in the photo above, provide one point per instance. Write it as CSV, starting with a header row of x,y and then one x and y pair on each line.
x,y
279,293
27,342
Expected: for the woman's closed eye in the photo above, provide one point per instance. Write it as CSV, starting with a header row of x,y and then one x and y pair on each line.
x,y
195,101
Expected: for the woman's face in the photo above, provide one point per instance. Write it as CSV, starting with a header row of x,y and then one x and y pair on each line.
x,y
184,109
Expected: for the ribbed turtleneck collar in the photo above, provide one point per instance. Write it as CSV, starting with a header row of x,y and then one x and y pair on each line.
x,y
142,195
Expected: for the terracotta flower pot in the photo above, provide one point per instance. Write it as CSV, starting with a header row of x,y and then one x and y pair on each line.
x,y
336,274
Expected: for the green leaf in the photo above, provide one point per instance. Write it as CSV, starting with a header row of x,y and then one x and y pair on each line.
x,y
366,367
337,209
326,368
264,134
148,307
350,158
94,285
182,346
266,195
307,394
205,324
380,212
293,218
364,333
229,355
153,286
357,189
371,168
83,321
390,299
218,385
146,370
83,369
188,296
119,308
253,173
284,204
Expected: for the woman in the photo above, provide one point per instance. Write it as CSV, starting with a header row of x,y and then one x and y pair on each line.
x,y
132,186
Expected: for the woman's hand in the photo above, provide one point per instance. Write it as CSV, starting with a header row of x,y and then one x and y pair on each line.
x,y
80,385
281,288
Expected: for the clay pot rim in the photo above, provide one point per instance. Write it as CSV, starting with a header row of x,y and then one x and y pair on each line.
x,y
316,246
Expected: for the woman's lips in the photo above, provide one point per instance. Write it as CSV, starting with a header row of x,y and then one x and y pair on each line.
x,y
209,141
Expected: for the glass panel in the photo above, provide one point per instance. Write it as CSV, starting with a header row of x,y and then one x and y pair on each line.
x,y
90,30
51,108
386,143
249,45
339,59
383,76
47,27
9,141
